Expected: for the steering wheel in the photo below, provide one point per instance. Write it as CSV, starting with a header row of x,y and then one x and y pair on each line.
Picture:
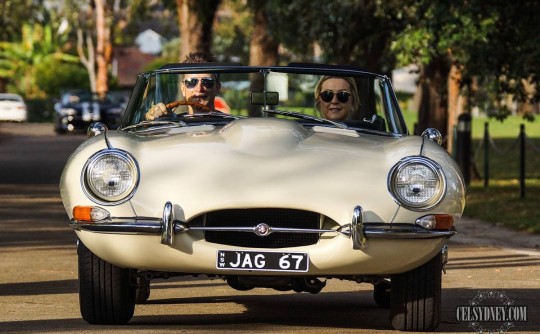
x,y
194,104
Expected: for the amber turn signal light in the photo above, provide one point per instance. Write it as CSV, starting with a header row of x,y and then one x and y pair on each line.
x,y
89,213
436,222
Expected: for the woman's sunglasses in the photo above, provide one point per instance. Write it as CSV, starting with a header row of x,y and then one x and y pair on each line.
x,y
328,95
206,82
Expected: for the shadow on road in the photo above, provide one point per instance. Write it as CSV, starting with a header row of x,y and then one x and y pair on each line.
x,y
33,215
343,312
39,288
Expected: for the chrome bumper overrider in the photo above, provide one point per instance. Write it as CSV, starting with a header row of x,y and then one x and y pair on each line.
x,y
168,227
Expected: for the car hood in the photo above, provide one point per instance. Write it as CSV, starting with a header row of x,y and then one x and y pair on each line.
x,y
253,163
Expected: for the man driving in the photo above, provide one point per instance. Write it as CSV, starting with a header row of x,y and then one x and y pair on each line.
x,y
198,89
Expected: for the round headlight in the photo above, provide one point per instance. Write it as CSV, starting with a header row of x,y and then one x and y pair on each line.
x,y
110,176
417,183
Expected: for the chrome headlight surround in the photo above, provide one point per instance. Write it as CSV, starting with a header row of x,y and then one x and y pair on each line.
x,y
110,177
417,183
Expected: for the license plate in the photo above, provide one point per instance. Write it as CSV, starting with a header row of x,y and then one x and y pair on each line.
x,y
262,261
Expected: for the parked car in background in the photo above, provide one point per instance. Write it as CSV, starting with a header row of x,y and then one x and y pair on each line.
x,y
12,108
77,109
270,194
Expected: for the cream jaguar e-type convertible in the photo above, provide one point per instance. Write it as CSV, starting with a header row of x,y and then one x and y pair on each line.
x,y
279,177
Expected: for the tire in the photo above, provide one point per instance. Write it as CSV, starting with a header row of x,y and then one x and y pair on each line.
x,y
143,290
381,293
106,295
415,301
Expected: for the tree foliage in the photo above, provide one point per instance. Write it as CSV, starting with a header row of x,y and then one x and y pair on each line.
x,y
342,32
490,49
15,13
232,32
493,43
19,61
54,76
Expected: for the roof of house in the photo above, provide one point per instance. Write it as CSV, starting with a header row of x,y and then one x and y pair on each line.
x,y
129,62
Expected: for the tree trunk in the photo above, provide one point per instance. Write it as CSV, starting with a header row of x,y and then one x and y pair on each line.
x,y
103,48
87,60
196,19
263,48
433,109
454,84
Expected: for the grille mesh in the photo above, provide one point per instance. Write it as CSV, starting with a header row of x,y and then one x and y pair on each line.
x,y
288,218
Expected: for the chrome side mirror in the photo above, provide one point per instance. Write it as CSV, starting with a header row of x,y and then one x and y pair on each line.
x,y
433,135
95,129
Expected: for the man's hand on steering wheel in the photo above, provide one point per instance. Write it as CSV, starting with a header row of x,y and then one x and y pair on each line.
x,y
156,111
161,109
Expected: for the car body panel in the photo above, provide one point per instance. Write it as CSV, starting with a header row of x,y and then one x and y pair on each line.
x,y
332,256
12,108
77,109
305,163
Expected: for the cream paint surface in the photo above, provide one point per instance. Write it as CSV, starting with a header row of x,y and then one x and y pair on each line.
x,y
255,163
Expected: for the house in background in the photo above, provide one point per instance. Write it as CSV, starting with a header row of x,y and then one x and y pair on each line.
x,y
405,83
150,42
129,61
405,79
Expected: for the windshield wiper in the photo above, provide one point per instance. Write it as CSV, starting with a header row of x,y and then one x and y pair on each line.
x,y
153,125
308,117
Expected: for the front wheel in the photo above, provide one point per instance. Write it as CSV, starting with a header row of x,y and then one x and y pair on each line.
x,y
415,301
106,294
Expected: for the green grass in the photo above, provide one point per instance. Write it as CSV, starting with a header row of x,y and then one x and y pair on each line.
x,y
500,202
504,159
497,129
507,129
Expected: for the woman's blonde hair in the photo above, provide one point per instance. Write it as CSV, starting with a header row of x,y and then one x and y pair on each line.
x,y
353,88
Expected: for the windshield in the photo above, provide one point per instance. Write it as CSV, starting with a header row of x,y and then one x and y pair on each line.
x,y
355,100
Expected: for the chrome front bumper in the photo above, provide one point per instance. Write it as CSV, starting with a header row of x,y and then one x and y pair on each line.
x,y
168,227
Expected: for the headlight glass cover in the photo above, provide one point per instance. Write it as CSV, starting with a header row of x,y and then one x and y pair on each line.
x,y
417,183
110,176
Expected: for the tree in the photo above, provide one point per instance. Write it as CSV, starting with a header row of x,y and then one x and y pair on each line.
x,y
455,42
53,76
196,19
233,30
103,47
96,23
96,54
19,60
263,48
508,59
14,14
345,32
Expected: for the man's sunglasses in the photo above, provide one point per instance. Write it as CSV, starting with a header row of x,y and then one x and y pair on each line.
x,y
206,82
328,95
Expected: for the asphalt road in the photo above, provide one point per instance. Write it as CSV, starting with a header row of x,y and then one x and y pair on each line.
x,y
38,269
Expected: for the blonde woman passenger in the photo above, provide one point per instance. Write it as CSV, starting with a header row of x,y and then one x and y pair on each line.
x,y
336,98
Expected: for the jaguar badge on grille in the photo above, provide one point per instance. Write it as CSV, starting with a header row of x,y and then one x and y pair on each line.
x,y
262,230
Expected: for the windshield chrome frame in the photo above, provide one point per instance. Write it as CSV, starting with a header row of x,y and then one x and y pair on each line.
x,y
396,126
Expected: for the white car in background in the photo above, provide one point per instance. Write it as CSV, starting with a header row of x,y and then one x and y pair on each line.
x,y
12,108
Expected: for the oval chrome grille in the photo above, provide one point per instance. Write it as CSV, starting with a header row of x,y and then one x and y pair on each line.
x,y
286,218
